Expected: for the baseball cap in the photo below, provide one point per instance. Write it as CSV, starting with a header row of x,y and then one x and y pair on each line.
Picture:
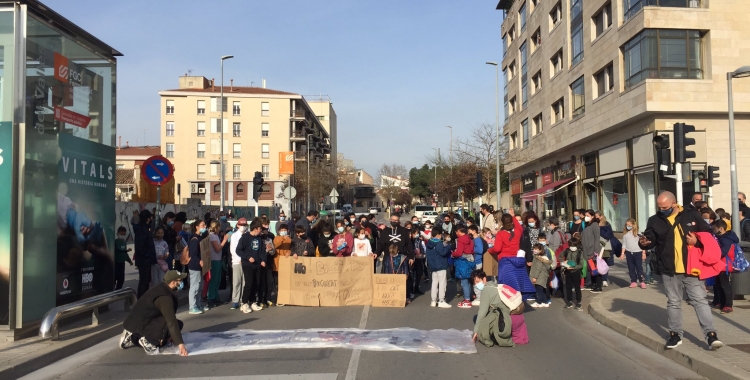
x,y
242,222
173,275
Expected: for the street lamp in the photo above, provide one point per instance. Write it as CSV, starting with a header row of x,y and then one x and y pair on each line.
x,y
451,161
742,72
308,171
497,131
222,131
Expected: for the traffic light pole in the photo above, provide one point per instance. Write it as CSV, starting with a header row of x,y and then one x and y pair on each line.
x,y
733,163
678,179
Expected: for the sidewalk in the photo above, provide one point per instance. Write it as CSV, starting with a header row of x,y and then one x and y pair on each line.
x,y
641,315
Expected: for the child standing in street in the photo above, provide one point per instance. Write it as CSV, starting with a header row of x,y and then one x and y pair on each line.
x,y
396,263
633,253
437,259
121,257
571,260
162,251
539,275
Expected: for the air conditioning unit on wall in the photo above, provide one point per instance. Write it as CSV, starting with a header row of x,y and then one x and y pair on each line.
x,y
202,190
193,188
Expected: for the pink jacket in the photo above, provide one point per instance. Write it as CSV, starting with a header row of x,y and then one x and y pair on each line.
x,y
705,262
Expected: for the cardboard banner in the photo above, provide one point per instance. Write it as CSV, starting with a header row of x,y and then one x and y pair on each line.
x,y
325,281
389,290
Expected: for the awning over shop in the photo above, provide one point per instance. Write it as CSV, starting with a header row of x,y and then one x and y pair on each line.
x,y
548,188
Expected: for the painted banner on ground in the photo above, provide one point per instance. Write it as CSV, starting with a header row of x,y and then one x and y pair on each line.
x,y
389,290
325,281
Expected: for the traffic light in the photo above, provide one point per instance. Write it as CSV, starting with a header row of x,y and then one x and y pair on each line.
x,y
682,142
663,154
712,175
257,185
702,182
480,190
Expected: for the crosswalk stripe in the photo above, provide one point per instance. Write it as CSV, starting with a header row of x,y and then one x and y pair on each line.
x,y
296,376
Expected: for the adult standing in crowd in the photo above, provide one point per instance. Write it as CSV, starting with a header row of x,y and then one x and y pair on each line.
x,y
669,233
195,267
217,245
238,278
307,222
591,246
170,236
489,262
145,251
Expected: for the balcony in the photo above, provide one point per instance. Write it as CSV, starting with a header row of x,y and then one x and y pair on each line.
x,y
298,136
297,115
300,156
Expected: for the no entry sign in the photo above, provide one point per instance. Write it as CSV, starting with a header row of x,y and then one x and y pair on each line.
x,y
157,170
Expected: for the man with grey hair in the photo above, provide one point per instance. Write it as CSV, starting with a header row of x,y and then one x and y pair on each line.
x,y
669,233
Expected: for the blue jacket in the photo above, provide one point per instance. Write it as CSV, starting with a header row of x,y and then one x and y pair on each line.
x,y
437,255
726,241
478,250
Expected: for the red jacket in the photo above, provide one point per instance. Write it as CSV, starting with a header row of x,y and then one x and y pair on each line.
x,y
464,246
339,240
507,243
705,262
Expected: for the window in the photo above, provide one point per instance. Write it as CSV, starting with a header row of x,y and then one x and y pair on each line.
x,y
522,16
216,146
505,106
236,174
576,32
512,105
214,170
201,128
201,107
579,96
170,150
217,189
536,82
555,15
631,7
533,5
215,104
170,128
511,35
170,107
265,151
264,129
236,150
604,80
524,75
525,132
537,124
240,189
216,124
265,108
556,62
201,171
661,53
236,129
558,111
322,118
505,44
511,71
602,20
120,166
201,150
536,40
513,140
235,108
266,171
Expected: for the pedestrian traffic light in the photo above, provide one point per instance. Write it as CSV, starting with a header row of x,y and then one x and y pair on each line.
x,y
663,154
712,175
702,182
480,190
257,185
682,142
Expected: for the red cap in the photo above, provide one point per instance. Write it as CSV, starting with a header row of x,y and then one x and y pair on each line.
x,y
242,222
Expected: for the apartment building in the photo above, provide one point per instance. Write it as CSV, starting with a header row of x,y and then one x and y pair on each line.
x,y
322,107
260,124
588,83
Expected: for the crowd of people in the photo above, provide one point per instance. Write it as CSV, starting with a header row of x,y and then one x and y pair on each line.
x,y
482,255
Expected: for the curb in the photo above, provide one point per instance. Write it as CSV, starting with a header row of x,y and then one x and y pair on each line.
x,y
698,365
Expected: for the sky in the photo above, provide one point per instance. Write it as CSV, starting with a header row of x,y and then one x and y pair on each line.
x,y
398,72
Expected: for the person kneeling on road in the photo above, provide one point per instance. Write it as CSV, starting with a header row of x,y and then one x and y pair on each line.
x,y
152,323
493,324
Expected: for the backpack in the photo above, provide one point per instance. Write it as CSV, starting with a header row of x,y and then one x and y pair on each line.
x,y
739,264
185,255
563,245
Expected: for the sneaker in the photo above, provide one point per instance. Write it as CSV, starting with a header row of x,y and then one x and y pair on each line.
x,y
544,304
246,308
535,305
596,291
578,307
269,303
433,304
715,306
475,303
465,304
726,310
148,347
256,307
126,340
195,310
633,285
713,341
675,340
444,305
568,305
235,306
411,296
643,285
605,283
206,307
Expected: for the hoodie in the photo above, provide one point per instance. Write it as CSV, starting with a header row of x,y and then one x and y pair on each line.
x,y
478,250
302,245
725,243
343,244
437,255
252,246
464,246
540,270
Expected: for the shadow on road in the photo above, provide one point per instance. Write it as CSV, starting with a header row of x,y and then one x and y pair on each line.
x,y
652,316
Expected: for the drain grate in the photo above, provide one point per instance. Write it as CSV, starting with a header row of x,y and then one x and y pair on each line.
x,y
742,347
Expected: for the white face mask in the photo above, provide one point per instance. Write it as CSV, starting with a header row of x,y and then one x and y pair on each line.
x,y
282,233
573,249
121,237
362,236
242,229
588,218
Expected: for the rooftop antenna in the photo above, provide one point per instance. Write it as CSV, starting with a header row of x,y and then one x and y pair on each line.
x,y
190,71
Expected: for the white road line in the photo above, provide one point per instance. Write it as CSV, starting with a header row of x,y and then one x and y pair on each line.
x,y
351,372
296,376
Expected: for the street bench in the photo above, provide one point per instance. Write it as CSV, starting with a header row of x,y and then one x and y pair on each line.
x,y
48,328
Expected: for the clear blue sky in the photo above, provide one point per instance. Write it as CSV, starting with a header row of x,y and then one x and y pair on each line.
x,y
397,71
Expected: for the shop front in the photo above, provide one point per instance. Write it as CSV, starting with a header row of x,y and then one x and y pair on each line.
x,y
529,184
613,184
644,178
515,192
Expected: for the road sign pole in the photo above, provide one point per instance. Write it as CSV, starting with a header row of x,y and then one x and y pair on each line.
x,y
158,202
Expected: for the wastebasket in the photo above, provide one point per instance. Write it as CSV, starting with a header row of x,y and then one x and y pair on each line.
x,y
741,281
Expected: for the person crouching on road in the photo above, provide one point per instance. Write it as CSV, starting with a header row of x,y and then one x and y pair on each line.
x,y
153,323
252,250
437,253
238,278
493,324
539,275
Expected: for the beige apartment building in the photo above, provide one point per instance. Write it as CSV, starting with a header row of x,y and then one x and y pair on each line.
x,y
260,124
588,83
322,107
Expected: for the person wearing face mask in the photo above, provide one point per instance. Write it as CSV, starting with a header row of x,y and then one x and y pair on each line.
x,y
728,240
343,242
195,267
282,244
697,197
578,224
121,256
399,236
449,229
170,236
571,262
238,279
633,254
591,244
708,215
669,233
307,222
530,236
325,241
362,246
145,252
415,221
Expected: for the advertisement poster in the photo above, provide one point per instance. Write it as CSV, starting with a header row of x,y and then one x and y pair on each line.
x,y
6,229
85,215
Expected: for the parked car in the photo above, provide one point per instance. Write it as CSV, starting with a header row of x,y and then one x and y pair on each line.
x,y
457,219
374,210
429,215
347,209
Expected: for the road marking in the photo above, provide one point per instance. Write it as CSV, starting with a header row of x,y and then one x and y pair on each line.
x,y
351,372
296,376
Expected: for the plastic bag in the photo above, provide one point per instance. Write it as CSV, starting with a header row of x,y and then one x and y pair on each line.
x,y
601,266
555,282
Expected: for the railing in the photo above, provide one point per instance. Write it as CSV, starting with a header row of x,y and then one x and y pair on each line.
x,y
298,114
49,329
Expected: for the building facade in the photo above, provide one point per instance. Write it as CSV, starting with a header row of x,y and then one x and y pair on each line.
x,y
264,128
589,83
